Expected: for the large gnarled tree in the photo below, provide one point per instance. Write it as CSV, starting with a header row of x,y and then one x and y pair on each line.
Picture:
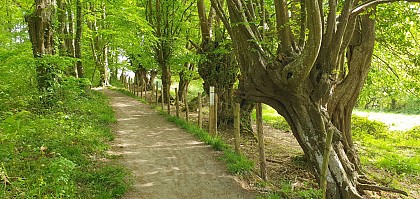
x,y
312,76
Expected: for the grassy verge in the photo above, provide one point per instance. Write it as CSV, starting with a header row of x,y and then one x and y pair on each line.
x,y
61,152
237,163
395,152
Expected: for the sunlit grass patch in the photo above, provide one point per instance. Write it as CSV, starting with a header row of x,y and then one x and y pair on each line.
x,y
394,151
51,155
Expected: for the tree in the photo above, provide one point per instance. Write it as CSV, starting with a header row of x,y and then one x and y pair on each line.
x,y
393,82
312,81
98,41
41,35
78,40
166,18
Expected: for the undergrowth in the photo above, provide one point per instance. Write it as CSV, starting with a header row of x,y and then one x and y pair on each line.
x,y
59,151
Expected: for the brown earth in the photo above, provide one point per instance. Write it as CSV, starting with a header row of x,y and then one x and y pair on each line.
x,y
167,162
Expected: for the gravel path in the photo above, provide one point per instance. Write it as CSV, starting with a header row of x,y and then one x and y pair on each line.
x,y
166,161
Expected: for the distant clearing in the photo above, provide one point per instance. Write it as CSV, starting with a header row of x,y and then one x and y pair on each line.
x,y
396,122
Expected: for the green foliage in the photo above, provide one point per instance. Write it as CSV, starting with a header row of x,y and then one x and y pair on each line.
x,y
395,151
55,155
393,82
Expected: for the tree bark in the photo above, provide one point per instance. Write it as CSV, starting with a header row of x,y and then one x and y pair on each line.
x,y
303,86
217,69
78,40
41,36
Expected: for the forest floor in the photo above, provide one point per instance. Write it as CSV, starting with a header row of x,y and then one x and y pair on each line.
x,y
167,162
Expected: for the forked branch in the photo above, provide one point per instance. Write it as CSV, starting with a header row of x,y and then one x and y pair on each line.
x,y
368,4
299,69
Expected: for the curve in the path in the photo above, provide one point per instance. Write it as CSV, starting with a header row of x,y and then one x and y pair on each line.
x,y
166,161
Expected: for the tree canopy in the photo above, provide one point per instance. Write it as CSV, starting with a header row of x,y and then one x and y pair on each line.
x,y
312,61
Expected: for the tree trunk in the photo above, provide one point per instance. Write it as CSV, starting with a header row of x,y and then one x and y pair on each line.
x,y
166,82
153,75
218,68
62,27
41,37
301,86
78,40
246,120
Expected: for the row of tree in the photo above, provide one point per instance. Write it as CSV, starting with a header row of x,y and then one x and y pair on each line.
x,y
306,59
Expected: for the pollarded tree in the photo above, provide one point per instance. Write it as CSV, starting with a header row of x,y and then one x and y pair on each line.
x,y
312,76
166,17
41,33
217,66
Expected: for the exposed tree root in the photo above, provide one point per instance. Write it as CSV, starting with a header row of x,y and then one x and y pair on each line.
x,y
372,187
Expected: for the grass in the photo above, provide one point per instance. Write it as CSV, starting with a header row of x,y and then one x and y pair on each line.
x,y
272,118
397,152
288,191
61,152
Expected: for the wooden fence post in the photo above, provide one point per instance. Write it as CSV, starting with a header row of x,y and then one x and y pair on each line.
x,y
128,83
137,89
161,96
168,90
260,132
212,113
177,102
141,91
200,117
187,110
216,102
157,89
237,126
153,92
145,89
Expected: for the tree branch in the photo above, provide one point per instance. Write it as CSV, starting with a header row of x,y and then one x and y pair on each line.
x,y
298,70
363,7
222,15
302,33
283,28
388,65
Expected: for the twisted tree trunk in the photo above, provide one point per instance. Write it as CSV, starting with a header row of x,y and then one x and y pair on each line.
x,y
302,83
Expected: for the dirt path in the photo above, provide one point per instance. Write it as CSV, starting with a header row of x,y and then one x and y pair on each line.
x,y
166,161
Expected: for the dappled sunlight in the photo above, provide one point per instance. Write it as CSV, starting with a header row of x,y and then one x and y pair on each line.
x,y
165,160
122,105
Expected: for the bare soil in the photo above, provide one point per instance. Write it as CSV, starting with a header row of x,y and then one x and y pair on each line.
x,y
166,161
